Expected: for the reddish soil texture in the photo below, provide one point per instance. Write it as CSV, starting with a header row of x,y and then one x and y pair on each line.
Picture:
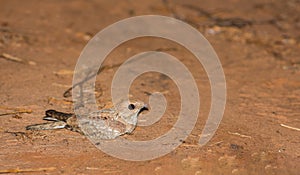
x,y
258,45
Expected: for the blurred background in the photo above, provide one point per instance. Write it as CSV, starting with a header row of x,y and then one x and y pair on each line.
x,y
258,45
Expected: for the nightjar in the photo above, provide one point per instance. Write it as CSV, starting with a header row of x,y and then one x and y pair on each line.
x,y
103,124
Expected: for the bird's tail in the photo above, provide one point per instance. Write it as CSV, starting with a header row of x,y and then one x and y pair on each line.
x,y
47,126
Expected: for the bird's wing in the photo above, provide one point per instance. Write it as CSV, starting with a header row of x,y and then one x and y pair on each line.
x,y
102,125
53,115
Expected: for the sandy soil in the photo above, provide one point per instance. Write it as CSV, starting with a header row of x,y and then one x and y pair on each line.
x,y
260,57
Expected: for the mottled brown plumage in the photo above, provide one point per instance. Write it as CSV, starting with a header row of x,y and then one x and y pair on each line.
x,y
103,124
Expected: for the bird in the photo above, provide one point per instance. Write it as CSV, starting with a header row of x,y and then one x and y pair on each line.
x,y
102,124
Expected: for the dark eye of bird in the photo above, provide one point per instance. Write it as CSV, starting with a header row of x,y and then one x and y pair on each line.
x,y
131,107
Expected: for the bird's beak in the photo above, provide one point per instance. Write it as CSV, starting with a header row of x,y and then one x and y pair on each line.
x,y
145,107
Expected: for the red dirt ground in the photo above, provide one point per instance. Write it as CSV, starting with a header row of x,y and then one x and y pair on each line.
x,y
261,62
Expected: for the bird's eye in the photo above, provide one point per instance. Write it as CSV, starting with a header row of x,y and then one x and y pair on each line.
x,y
131,107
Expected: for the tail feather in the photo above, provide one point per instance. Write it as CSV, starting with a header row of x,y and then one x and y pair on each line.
x,y
47,126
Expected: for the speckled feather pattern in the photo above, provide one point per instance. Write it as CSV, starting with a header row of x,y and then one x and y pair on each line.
x,y
103,124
